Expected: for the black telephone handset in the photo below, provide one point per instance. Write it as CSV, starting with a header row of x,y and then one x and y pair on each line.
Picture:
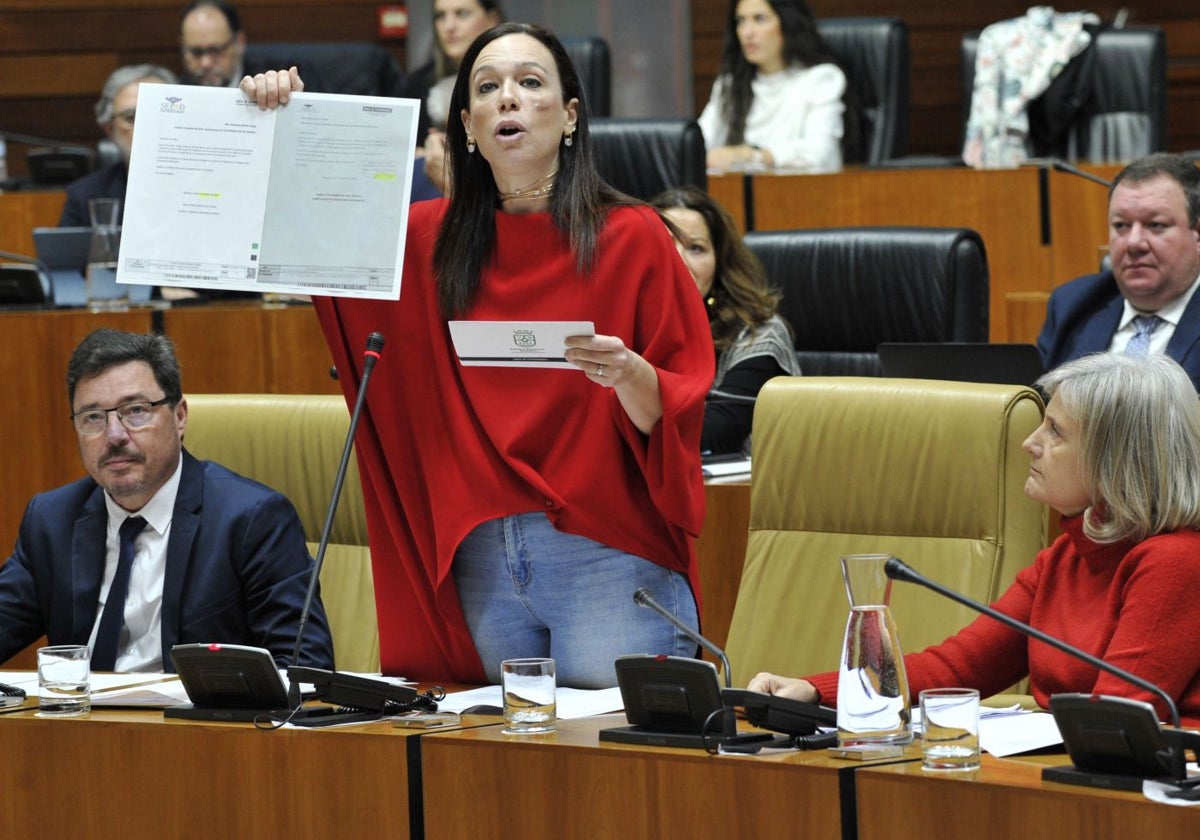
x,y
10,695
779,714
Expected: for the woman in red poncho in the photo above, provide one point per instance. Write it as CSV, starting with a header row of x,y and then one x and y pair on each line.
x,y
514,511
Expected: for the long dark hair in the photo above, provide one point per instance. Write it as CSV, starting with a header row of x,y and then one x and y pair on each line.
x,y
578,205
741,295
802,44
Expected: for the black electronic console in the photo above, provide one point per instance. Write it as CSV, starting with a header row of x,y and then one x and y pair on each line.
x,y
673,701
779,714
227,682
367,693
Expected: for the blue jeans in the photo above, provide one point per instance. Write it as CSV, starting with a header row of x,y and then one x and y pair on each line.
x,y
530,590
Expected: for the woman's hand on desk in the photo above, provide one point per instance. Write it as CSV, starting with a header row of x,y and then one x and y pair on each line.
x,y
273,88
794,689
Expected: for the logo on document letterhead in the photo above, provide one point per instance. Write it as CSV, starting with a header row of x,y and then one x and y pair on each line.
x,y
172,104
524,338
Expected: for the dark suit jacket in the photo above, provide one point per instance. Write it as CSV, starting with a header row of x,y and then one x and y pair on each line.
x,y
109,182
1083,315
237,569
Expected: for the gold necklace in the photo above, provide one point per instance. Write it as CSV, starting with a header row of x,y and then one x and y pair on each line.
x,y
541,187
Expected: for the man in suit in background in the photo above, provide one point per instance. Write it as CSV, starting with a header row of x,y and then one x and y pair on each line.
x,y
1146,303
115,113
154,548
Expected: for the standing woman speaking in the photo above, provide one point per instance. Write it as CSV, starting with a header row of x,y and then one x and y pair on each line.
x,y
780,99
513,512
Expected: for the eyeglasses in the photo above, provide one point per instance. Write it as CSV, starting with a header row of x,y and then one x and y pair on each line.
x,y
126,118
200,53
135,415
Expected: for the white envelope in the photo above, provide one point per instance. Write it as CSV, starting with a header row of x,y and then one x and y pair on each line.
x,y
516,343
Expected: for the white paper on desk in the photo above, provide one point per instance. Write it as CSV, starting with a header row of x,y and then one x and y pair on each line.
x,y
570,702
1003,735
309,198
516,343
152,690
720,469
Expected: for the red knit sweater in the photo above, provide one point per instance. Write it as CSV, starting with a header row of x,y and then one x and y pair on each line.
x,y
1134,606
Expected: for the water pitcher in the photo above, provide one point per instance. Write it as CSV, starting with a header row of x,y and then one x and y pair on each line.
x,y
872,705
103,291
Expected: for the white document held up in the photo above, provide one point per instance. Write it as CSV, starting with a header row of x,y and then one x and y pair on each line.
x,y
309,198
516,343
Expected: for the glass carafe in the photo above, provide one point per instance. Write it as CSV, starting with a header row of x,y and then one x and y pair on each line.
x,y
873,705
103,291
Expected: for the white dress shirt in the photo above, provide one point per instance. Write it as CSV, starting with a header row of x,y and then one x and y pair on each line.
x,y
140,645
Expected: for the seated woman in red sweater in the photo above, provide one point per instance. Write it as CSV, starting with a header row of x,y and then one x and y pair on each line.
x,y
1118,455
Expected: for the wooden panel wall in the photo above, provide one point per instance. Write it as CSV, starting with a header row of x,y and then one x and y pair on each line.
x,y
55,54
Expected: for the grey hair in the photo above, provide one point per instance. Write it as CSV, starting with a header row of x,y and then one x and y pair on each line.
x,y
123,76
1139,422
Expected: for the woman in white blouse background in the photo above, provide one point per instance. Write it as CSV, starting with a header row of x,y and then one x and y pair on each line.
x,y
780,99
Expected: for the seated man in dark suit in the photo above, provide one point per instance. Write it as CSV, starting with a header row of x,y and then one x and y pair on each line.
x,y
155,548
1146,303
115,113
212,44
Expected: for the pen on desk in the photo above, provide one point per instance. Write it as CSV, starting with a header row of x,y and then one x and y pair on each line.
x,y
112,688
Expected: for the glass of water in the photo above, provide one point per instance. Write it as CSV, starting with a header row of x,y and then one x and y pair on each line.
x,y
64,680
529,705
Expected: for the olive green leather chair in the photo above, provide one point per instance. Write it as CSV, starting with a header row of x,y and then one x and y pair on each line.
x,y
293,443
930,472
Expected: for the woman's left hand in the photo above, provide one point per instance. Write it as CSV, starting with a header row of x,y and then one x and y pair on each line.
x,y
608,362
604,358
272,88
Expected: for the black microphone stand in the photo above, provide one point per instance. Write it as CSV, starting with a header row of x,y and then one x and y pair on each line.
x,y
1171,757
370,695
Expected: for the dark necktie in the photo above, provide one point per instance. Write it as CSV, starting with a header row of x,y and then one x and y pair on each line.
x,y
104,653
1145,325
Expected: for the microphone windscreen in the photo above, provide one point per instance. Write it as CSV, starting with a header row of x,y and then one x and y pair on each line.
x,y
375,342
640,596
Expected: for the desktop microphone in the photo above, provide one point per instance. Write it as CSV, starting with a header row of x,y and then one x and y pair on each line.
x,y
643,598
1062,166
716,396
328,681
1170,753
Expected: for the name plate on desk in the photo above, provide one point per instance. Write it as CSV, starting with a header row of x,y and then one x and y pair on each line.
x,y
516,343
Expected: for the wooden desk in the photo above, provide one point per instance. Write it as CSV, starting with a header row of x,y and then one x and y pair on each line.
x,y
21,212
133,775
721,553
1005,799
567,785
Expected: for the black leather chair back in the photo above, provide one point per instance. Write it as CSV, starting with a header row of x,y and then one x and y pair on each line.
x,y
355,67
643,157
1125,116
590,55
847,290
875,55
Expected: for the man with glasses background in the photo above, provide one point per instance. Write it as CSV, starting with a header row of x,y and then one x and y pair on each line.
x,y
201,553
115,114
212,45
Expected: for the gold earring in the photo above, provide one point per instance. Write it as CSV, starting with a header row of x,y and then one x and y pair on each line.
x,y
470,145
567,141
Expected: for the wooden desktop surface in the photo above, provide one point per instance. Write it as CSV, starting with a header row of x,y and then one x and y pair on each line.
x,y
569,785
130,775
1003,800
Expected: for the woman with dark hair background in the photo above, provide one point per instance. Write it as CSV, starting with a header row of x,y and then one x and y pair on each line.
x,y
753,343
780,99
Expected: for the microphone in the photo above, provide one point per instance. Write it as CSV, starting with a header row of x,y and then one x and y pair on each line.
x,y
1062,166
643,598
342,688
1095,744
717,396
